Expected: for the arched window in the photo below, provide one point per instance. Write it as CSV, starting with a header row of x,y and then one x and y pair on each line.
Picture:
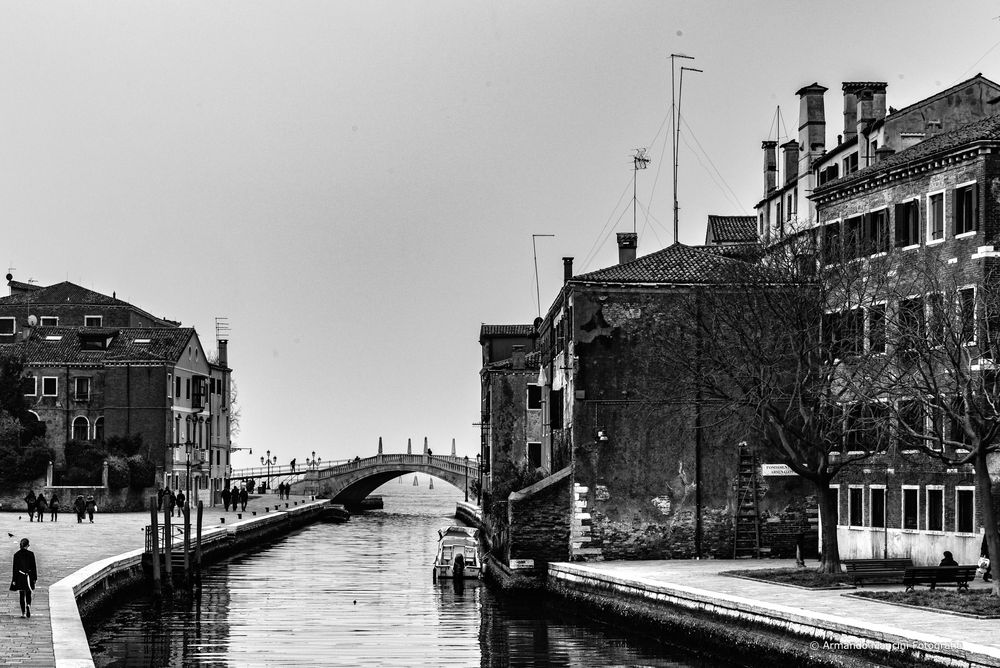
x,y
99,429
81,428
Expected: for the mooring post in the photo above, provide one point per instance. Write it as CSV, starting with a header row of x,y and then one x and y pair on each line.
x,y
187,542
154,527
197,549
168,542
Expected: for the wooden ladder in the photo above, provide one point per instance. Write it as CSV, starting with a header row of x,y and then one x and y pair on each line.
x,y
746,523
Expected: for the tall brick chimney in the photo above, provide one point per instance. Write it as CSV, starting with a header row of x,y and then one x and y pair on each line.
x,y
851,89
223,352
770,165
567,269
627,244
517,357
791,150
812,124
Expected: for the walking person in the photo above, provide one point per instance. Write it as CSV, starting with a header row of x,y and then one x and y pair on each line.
x,y
80,506
29,499
180,503
41,507
226,494
244,497
293,465
54,507
984,558
91,507
24,576
170,501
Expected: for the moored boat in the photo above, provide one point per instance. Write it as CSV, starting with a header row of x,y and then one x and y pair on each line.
x,y
458,553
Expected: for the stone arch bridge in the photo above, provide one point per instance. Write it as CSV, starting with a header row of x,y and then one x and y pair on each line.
x,y
350,482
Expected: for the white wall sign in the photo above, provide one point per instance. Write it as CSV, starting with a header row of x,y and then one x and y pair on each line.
x,y
776,470
518,564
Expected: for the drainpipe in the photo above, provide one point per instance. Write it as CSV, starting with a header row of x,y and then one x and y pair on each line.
x,y
128,400
697,436
67,409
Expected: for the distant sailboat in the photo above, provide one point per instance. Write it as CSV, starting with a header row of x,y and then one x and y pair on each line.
x,y
415,483
431,485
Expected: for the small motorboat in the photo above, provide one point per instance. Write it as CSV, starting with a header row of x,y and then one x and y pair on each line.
x,y
458,553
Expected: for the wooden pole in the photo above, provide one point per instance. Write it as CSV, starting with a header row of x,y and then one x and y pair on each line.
x,y
168,542
155,528
197,549
187,542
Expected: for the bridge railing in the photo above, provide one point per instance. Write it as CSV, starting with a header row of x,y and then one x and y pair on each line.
x,y
448,462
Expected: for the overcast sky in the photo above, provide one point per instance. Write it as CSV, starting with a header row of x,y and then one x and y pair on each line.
x,y
355,184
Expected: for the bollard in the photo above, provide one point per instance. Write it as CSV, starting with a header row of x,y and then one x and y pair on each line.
x,y
286,505
222,520
267,508
239,516
254,513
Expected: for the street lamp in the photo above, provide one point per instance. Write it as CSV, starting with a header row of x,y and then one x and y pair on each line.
x,y
467,478
314,462
479,467
269,461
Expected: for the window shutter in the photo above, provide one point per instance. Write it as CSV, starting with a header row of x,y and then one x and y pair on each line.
x,y
956,208
899,215
974,223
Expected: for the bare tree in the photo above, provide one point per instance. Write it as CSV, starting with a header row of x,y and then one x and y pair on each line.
x,y
781,342
941,388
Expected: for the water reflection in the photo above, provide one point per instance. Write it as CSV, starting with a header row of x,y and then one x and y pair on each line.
x,y
360,594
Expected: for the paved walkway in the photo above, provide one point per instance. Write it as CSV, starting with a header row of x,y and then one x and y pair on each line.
x,y
61,548
704,575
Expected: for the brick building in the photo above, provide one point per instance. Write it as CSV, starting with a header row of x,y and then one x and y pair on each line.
x,y
98,367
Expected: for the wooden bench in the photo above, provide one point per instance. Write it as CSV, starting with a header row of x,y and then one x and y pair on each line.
x,y
935,575
876,569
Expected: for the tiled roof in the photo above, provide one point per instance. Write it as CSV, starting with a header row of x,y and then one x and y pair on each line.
x,y
678,264
531,361
731,229
741,251
987,129
506,330
60,293
944,93
42,348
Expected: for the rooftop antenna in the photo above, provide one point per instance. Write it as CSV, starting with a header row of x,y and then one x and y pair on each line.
x,y
534,252
677,131
639,161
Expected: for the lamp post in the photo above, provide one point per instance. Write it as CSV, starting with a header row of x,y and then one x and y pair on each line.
x,y
314,462
269,461
467,478
479,467
193,422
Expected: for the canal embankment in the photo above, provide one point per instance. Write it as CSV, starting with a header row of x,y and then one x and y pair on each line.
x,y
689,603
93,587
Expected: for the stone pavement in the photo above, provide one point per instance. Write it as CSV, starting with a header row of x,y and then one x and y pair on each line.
x,y
61,548
704,575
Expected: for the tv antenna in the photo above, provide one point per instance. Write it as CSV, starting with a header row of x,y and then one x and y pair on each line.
x,y
639,161
534,252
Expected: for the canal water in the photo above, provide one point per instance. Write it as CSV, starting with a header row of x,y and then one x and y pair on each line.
x,y
361,594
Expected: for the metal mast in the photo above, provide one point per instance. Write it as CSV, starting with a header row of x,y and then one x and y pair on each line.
x,y
673,121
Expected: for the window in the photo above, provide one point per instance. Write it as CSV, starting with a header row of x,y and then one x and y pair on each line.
x,y
81,428
50,386
187,388
93,320
49,321
94,342
829,174
99,429
851,164
854,237
7,326
846,333
912,325
82,389
30,385
908,223
938,319
877,495
534,397
967,314
170,385
779,219
911,507
965,509
855,506
935,217
534,455
935,509
556,409
835,490
911,423
177,389
831,243
965,209
877,230
957,424
876,328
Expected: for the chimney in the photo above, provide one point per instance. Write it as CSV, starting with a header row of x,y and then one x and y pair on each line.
x,y
791,149
883,152
567,269
223,352
812,124
517,357
770,165
851,89
627,243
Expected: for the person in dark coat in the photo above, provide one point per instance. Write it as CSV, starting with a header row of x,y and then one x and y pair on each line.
x,y
91,507
244,497
180,504
24,576
29,499
80,506
948,560
54,507
41,506
293,465
226,494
